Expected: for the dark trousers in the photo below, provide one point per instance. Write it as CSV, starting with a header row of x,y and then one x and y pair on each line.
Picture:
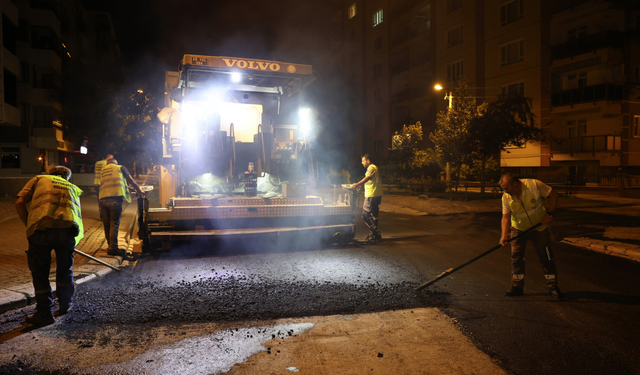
x,y
541,242
370,211
41,242
111,212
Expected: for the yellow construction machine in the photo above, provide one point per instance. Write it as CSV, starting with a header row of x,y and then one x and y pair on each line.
x,y
236,162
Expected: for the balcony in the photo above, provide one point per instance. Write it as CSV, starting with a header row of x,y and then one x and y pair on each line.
x,y
591,43
562,5
604,91
410,32
592,144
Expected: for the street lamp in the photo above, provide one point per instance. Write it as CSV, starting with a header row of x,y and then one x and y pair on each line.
x,y
447,95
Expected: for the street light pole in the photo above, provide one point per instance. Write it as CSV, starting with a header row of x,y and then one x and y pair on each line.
x,y
447,170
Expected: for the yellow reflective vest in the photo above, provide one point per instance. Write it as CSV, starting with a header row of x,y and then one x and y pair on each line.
x,y
112,183
97,170
373,187
56,198
531,211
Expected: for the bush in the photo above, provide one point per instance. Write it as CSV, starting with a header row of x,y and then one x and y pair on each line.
x,y
421,185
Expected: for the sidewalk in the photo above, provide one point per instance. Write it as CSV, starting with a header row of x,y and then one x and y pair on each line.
x,y
422,205
16,288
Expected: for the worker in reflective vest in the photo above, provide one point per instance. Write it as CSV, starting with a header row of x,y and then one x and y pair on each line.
x,y
97,169
54,221
372,198
522,208
113,190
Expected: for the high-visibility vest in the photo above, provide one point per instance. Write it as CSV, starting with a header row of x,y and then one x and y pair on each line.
x,y
112,183
97,170
373,187
531,211
56,198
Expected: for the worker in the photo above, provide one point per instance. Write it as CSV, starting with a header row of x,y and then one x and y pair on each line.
x,y
522,208
372,197
96,172
113,190
54,221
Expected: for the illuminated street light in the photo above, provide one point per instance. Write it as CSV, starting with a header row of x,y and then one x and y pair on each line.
x,y
447,95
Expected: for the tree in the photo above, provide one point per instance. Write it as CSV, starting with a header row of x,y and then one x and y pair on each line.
x,y
134,132
407,150
505,122
451,137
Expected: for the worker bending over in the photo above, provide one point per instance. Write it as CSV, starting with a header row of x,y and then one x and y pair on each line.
x,y
522,208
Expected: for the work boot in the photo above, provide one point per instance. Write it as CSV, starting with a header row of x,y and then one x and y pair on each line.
x,y
556,293
514,291
371,238
65,309
120,252
378,237
40,319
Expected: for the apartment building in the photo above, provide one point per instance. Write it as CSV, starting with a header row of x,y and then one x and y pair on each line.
x,y
577,59
388,69
45,43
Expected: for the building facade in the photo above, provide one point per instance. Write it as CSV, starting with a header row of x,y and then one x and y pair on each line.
x,y
46,43
579,61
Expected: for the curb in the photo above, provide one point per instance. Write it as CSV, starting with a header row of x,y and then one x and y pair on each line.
x,y
23,295
619,249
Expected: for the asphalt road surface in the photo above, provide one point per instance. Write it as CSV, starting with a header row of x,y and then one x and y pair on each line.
x,y
594,331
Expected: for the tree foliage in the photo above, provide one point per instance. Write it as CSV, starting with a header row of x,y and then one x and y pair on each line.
x,y
505,122
134,132
452,138
408,150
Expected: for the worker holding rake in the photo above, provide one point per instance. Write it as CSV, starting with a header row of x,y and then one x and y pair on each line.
x,y
522,209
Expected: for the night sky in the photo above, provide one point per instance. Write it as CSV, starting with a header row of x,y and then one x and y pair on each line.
x,y
154,35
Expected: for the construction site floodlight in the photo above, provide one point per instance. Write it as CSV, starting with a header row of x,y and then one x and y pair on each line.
x,y
305,121
438,87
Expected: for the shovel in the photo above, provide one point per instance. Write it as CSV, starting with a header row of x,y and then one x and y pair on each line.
x,y
121,271
452,270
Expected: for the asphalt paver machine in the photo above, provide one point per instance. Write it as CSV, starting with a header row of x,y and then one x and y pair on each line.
x,y
236,163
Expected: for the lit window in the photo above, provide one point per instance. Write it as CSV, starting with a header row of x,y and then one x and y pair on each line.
x,y
511,12
352,11
377,18
635,132
512,53
514,89
455,70
454,36
453,5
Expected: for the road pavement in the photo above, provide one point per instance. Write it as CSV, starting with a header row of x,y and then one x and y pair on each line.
x,y
395,337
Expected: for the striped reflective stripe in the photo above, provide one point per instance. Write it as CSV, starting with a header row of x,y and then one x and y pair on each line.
x,y
550,277
517,276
